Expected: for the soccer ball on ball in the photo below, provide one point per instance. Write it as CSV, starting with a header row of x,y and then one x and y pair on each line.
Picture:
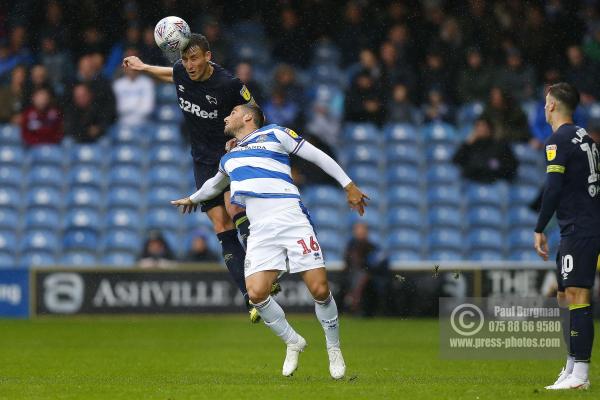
x,y
172,34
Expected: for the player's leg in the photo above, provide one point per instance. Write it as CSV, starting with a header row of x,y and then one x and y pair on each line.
x,y
259,288
578,267
242,224
327,314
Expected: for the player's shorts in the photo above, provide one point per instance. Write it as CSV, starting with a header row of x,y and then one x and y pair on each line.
x,y
281,238
202,173
576,262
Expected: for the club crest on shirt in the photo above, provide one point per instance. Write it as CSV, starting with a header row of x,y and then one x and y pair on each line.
x,y
245,93
211,99
551,152
262,139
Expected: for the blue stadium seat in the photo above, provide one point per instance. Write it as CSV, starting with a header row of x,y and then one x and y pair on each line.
x,y
9,198
405,239
47,154
79,259
361,153
445,239
166,134
10,135
166,93
37,259
530,174
40,240
165,176
127,155
86,175
124,197
198,221
401,133
82,197
119,259
126,135
485,216
47,198
11,155
248,29
7,261
326,73
398,195
11,176
486,255
445,255
520,239
491,195
403,153
326,52
80,239
523,194
439,132
485,239
521,216
124,218
525,255
444,174
469,112
364,174
8,242
254,52
372,218
403,174
9,219
168,113
163,219
362,133
45,175
122,241
83,219
330,241
165,154
324,195
84,154
127,176
405,217
445,216
526,154
444,196
160,197
405,255
440,153
46,219
326,218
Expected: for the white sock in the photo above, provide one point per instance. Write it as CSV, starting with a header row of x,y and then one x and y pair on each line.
x,y
581,370
274,318
570,364
327,314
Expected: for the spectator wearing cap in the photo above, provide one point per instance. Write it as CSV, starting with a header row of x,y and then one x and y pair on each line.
x,y
199,251
156,252
517,78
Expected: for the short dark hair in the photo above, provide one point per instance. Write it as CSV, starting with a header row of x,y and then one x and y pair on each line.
x,y
257,115
565,93
197,40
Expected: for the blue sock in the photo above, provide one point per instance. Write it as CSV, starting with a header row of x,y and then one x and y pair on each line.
x,y
242,224
582,332
234,256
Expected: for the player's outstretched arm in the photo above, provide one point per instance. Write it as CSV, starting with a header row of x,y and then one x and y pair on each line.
x,y
211,189
164,74
357,200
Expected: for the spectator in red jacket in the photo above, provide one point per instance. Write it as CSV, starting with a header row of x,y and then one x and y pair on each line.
x,y
42,121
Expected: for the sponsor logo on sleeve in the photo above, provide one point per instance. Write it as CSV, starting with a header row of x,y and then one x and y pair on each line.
x,y
551,152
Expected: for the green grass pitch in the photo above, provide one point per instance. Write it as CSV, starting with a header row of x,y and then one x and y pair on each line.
x,y
224,357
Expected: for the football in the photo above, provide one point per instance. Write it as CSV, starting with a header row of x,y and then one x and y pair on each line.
x,y
172,34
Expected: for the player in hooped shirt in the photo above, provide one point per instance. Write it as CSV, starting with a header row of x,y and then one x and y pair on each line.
x,y
206,94
572,191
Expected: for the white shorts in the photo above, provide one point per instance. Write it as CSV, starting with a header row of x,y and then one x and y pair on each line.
x,y
281,237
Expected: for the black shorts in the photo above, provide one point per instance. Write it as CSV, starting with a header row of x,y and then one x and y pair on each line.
x,y
576,262
202,173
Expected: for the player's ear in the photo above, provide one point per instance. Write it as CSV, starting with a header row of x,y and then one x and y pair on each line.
x,y
208,55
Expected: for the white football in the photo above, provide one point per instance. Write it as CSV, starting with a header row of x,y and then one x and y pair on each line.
x,y
172,34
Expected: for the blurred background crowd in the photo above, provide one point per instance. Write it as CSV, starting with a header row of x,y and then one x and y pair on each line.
x,y
452,91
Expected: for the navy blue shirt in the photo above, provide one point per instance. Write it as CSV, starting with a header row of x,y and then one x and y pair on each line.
x,y
205,104
572,183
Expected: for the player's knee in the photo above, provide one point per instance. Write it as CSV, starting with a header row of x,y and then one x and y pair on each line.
x,y
233,209
561,298
320,291
257,293
577,295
